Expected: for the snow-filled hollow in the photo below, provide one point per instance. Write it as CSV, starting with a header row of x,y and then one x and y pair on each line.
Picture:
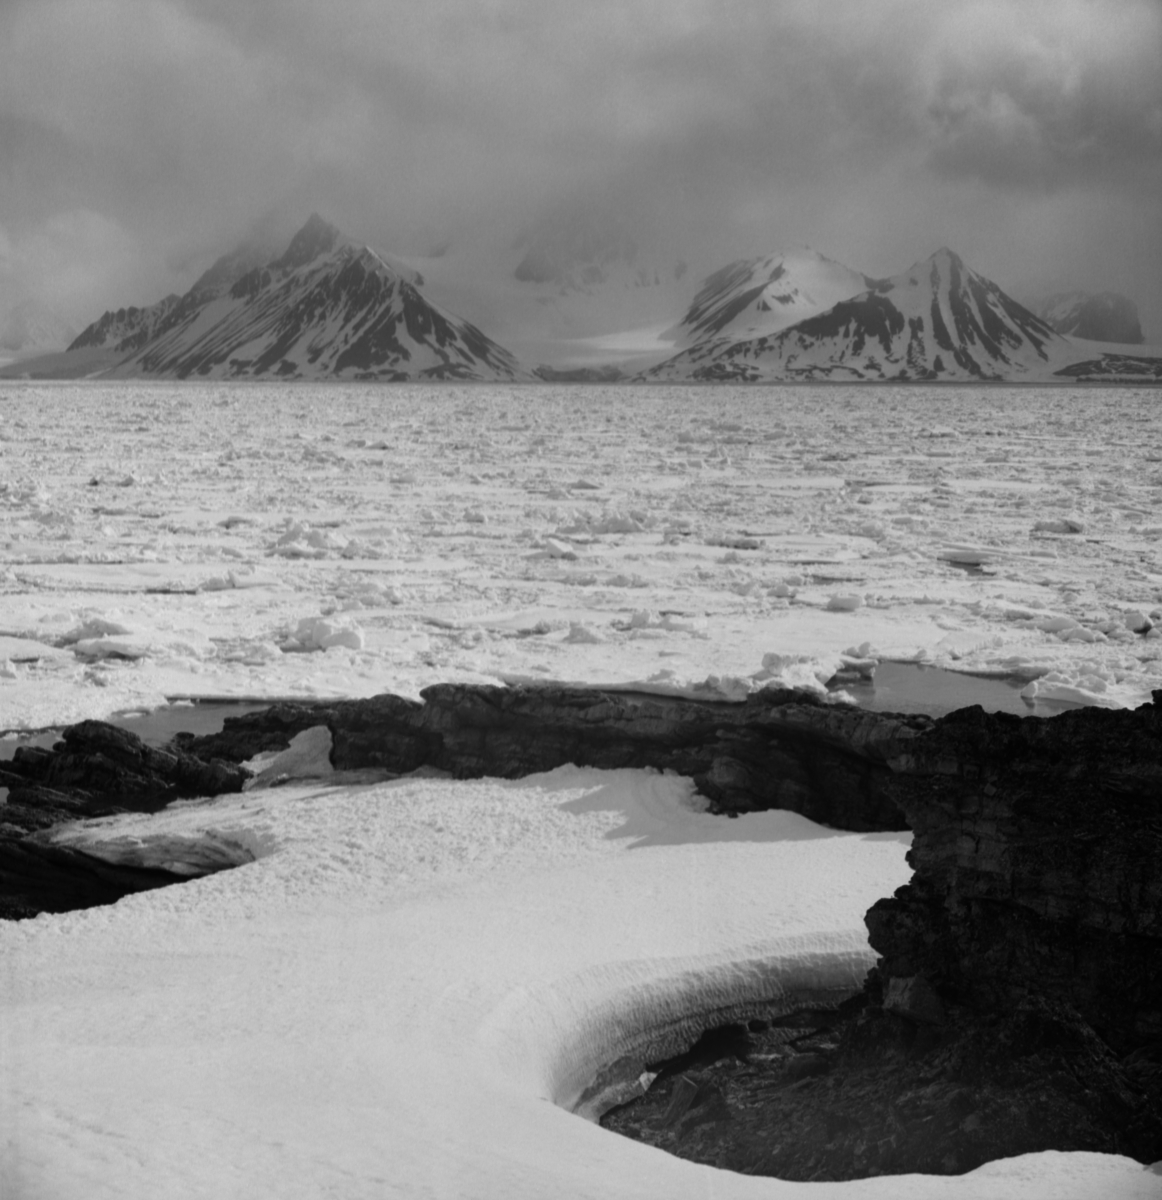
x,y
413,983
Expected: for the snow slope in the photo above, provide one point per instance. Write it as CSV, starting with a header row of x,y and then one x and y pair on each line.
x,y
755,297
412,984
939,320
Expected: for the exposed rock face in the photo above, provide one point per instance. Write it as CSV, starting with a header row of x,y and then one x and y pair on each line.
x,y
1126,367
125,329
1017,1005
97,770
881,1095
1038,859
103,766
780,749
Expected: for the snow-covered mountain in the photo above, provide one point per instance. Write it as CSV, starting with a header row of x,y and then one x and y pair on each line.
x,y
939,320
1104,317
577,299
327,307
29,328
759,296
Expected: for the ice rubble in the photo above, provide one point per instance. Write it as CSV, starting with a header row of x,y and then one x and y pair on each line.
x,y
750,522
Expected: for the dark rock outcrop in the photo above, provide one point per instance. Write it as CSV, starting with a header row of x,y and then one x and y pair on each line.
x,y
1017,1003
1038,866
603,374
779,749
102,765
878,1094
96,770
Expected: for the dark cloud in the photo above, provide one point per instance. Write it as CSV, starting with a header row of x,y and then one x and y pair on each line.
x,y
874,130
1053,107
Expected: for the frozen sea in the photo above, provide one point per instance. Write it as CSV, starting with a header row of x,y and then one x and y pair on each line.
x,y
179,539
408,986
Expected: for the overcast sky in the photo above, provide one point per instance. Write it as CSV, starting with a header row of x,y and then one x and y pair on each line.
x,y
141,138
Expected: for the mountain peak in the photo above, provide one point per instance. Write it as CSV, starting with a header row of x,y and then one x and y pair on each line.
x,y
947,257
753,297
314,238
329,307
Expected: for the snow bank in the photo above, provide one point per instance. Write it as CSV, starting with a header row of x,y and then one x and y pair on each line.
x,y
409,980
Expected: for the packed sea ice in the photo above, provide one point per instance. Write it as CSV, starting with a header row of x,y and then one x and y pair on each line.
x,y
406,988
194,539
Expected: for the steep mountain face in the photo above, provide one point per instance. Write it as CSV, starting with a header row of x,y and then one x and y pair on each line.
x,y
1104,317
940,320
30,328
755,297
125,329
325,308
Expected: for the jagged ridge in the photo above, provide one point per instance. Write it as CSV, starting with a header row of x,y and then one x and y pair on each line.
x,y
125,329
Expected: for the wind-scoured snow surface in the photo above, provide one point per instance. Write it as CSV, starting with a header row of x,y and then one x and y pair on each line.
x,y
412,984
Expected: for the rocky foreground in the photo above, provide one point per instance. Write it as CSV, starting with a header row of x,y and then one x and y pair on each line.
x,y
1017,1002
